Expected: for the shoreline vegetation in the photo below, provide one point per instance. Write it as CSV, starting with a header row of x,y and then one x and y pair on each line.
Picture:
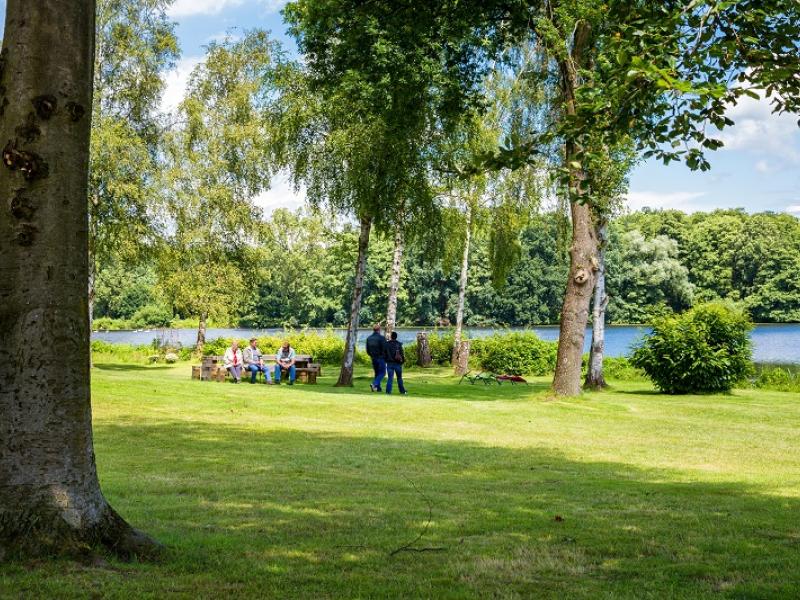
x,y
518,353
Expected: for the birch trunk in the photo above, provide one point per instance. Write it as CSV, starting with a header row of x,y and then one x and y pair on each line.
x,y
583,252
346,372
594,375
201,334
50,497
462,291
394,284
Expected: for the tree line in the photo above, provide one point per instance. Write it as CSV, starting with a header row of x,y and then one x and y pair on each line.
x,y
658,260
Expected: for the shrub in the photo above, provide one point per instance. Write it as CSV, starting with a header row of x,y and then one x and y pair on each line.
x,y
620,368
151,316
784,378
515,354
706,349
119,353
441,346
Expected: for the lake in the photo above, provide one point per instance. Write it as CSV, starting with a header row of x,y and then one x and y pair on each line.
x,y
771,343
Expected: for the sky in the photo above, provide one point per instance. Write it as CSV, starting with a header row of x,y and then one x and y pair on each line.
x,y
758,168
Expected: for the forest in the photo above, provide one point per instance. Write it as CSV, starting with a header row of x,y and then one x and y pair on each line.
x,y
657,260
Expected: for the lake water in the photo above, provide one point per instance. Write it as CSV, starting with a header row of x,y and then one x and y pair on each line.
x,y
771,343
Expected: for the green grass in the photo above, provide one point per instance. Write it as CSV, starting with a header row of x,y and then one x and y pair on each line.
x,y
305,492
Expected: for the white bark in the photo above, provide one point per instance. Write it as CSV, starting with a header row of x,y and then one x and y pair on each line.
x,y
462,290
394,284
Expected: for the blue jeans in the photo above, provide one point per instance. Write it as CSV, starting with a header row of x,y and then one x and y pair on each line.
x,y
379,366
292,374
254,369
395,368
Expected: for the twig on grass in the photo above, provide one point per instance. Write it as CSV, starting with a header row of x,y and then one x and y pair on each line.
x,y
409,547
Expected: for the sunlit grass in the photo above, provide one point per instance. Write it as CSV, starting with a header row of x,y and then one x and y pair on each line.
x,y
313,491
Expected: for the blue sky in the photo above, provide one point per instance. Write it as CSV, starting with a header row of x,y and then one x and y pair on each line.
x,y
759,168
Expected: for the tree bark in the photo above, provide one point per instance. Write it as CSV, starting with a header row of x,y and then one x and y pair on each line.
x,y
594,375
583,252
462,290
461,365
346,372
394,284
201,334
90,303
424,358
50,497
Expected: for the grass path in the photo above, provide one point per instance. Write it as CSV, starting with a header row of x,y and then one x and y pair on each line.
x,y
305,492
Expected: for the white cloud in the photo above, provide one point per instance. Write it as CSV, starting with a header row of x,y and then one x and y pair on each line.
x,y
176,82
684,201
280,195
190,8
794,209
763,166
760,131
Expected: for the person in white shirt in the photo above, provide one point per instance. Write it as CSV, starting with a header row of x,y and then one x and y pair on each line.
x,y
254,362
233,361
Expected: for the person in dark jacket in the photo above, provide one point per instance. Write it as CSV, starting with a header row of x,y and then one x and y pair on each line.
x,y
376,345
395,357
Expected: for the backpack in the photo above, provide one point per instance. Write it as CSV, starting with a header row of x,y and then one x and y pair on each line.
x,y
397,355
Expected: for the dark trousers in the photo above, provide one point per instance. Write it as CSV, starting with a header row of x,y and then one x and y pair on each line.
x,y
379,366
395,369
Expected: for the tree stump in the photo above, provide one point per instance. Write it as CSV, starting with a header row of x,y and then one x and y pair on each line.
x,y
424,358
461,362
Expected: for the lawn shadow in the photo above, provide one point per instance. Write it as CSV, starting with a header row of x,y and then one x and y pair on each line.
x,y
308,514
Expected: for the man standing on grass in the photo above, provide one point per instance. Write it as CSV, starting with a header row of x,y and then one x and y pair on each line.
x,y
285,358
376,346
395,357
254,362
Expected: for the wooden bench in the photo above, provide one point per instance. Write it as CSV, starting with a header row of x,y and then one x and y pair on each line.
x,y
211,368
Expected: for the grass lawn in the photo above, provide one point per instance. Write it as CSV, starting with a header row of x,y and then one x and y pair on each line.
x,y
309,492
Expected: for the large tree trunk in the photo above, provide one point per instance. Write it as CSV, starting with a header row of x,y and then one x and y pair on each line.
x,y
50,498
201,334
594,375
462,291
583,252
346,372
394,284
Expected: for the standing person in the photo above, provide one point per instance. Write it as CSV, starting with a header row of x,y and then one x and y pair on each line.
x,y
233,361
395,357
285,359
254,362
376,349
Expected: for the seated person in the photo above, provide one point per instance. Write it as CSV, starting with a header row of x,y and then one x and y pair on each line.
x,y
233,361
254,362
285,358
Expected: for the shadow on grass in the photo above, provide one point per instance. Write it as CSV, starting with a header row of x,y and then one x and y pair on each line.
x,y
315,514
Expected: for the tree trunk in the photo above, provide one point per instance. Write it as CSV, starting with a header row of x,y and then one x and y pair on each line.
x,y
90,304
346,372
394,284
583,252
594,375
201,334
462,290
461,365
424,358
50,498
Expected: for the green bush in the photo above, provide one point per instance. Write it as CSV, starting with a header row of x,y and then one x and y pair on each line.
x,y
706,349
151,316
515,354
620,368
782,378
327,347
109,324
119,353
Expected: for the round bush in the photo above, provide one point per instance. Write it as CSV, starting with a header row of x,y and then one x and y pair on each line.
x,y
151,316
706,349
516,354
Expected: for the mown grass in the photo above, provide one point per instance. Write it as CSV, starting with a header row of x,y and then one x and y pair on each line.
x,y
310,491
